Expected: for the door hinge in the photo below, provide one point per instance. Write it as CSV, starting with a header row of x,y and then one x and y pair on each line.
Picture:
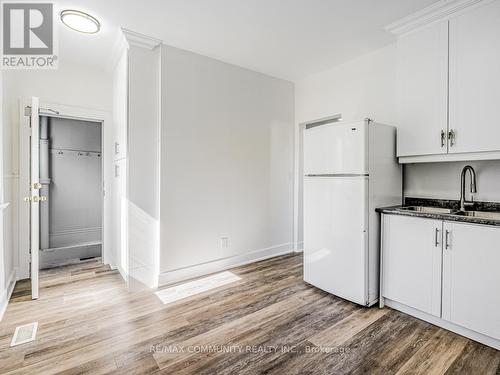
x,y
27,111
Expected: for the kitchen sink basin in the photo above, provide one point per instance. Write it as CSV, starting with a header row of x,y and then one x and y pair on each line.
x,y
480,214
487,215
430,210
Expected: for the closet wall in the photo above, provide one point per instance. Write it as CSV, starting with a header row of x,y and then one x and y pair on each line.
x,y
74,214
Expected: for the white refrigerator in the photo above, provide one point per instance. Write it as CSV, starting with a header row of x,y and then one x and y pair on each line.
x,y
349,170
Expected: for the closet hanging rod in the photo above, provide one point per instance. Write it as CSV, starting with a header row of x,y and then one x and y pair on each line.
x,y
61,151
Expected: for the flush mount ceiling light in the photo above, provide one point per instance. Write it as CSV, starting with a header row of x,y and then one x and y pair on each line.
x,y
80,21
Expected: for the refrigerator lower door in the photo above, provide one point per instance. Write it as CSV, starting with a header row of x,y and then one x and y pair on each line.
x,y
336,234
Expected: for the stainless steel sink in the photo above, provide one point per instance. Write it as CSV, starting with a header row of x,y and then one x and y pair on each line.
x,y
480,214
450,211
430,210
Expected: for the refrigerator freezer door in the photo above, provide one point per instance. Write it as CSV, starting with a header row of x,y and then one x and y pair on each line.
x,y
335,235
336,149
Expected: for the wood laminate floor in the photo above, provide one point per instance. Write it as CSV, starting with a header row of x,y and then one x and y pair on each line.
x,y
268,322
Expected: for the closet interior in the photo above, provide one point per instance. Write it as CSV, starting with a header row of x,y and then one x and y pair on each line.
x,y
71,178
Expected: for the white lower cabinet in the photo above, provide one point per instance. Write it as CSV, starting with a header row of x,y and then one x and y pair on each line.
x,y
412,262
447,270
471,277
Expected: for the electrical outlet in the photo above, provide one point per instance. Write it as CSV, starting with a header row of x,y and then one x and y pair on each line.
x,y
224,242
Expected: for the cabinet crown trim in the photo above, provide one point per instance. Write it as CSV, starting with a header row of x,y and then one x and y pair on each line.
x,y
435,12
140,40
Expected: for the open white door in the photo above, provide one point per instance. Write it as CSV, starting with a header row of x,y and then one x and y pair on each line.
x,y
34,198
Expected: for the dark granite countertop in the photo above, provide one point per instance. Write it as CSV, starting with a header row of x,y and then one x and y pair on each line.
x,y
441,203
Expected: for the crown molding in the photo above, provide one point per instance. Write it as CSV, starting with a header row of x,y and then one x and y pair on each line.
x,y
140,40
126,38
435,12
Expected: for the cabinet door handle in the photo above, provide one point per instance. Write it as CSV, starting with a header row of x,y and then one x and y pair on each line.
x,y
443,137
436,238
447,237
451,137
117,148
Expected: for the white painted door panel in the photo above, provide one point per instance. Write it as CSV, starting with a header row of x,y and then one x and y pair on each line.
x,y
471,278
120,107
336,149
120,214
412,262
335,235
422,84
475,79
35,197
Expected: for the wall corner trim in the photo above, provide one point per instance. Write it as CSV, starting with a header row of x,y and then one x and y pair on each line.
x,y
140,40
5,296
435,12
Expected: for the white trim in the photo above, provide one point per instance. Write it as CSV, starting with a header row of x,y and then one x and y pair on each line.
x,y
186,273
5,297
491,155
74,246
473,335
441,10
299,247
140,40
113,265
76,231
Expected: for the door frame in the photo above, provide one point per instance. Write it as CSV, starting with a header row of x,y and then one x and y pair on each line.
x,y
69,112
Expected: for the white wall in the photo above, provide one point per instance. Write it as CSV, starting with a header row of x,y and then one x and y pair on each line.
x,y
364,87
71,85
442,180
226,162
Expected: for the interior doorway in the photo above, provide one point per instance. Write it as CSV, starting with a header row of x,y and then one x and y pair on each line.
x,y
62,164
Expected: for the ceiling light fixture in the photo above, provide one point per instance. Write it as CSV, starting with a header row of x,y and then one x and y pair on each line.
x,y
80,21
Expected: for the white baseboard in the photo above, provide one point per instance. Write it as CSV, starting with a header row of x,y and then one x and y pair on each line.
x,y
473,335
5,296
300,247
186,273
113,266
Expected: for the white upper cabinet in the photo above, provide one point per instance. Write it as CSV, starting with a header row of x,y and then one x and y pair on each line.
x,y
448,79
422,85
475,79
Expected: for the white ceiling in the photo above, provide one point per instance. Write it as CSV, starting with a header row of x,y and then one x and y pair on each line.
x,y
284,38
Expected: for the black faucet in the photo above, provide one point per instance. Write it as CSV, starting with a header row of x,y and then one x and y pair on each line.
x,y
463,201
